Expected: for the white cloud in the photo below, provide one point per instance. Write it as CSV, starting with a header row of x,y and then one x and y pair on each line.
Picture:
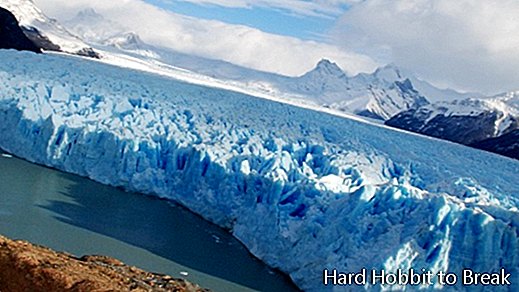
x,y
466,44
318,8
237,44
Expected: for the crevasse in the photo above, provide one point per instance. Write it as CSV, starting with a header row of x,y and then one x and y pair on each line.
x,y
303,190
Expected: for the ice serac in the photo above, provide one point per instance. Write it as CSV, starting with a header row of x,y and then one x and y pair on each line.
x,y
303,190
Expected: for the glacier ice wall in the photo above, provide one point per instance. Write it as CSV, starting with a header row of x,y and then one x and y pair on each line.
x,y
303,190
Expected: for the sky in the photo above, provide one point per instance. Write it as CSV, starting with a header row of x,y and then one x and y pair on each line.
x,y
305,24
469,45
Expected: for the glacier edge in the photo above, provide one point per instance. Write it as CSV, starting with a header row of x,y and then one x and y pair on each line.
x,y
301,196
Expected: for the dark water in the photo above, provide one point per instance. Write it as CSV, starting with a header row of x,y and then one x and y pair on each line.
x,y
76,215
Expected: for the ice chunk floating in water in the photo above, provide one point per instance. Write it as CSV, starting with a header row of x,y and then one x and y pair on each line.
x,y
303,190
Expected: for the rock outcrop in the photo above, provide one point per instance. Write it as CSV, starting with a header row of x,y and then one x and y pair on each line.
x,y
491,124
11,35
46,33
27,267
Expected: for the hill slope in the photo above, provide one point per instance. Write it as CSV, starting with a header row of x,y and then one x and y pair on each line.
x,y
468,121
507,144
11,36
46,33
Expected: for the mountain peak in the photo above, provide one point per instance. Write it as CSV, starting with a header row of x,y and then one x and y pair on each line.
x,y
89,13
325,65
128,41
390,72
132,37
325,62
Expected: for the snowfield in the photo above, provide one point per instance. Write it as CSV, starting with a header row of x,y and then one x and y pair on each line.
x,y
379,95
303,190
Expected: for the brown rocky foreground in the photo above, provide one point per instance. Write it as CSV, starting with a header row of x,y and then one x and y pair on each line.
x,y
27,267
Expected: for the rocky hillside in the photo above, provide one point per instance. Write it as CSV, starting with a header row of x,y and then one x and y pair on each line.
x,y
26,267
45,32
11,36
489,123
507,144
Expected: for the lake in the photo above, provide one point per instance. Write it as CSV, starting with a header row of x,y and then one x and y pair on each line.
x,y
74,214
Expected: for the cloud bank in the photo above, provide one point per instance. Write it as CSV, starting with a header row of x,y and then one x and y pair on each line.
x,y
237,44
465,44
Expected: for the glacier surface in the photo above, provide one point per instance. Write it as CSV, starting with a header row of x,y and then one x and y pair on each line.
x,y
303,190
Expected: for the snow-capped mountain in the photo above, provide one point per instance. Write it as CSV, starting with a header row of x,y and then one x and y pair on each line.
x,y
92,27
380,95
98,30
303,190
467,121
325,77
131,43
127,41
12,36
46,33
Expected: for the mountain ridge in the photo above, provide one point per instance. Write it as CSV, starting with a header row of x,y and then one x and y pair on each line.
x,y
12,36
482,123
45,32
376,95
390,94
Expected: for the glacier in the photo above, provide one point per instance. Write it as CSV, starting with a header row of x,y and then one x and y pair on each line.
x,y
379,95
303,190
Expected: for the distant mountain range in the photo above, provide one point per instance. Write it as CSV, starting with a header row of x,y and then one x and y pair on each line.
x,y
390,94
379,95
490,124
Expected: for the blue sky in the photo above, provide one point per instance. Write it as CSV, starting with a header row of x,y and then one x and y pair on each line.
x,y
266,18
466,45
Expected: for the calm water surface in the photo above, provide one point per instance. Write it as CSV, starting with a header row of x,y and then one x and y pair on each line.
x,y
79,216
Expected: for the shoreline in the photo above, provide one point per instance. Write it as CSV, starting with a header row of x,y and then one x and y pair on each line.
x,y
28,267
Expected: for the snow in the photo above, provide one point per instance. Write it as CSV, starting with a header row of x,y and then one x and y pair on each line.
x,y
505,105
433,93
29,15
374,95
92,27
302,189
326,85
